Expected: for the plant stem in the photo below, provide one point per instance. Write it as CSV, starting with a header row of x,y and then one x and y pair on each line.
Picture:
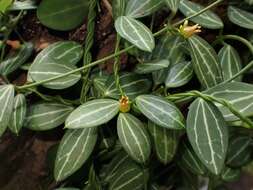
x,y
118,53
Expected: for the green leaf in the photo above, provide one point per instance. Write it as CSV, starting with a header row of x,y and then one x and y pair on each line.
x,y
236,93
46,71
75,148
121,159
230,174
14,61
208,134
208,19
179,75
4,5
23,5
92,114
46,115
128,176
250,2
173,5
205,62
189,160
161,111
118,8
165,141
141,8
239,151
67,188
134,137
135,32
230,62
131,83
150,67
6,105
67,16
64,52
240,17
99,84
18,114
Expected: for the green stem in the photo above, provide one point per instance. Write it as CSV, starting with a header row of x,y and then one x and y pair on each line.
x,y
118,53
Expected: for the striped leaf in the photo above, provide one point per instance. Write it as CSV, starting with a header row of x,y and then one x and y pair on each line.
x,y
189,160
179,75
208,134
121,159
250,2
154,187
239,94
118,8
64,52
99,84
160,111
240,17
14,61
205,62
134,137
6,105
18,114
150,67
45,71
173,5
69,15
75,148
141,8
165,141
131,83
230,174
135,32
128,176
23,5
46,115
239,151
230,62
208,19
92,114
67,188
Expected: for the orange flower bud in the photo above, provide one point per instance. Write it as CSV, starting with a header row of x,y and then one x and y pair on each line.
x,y
188,31
15,44
124,104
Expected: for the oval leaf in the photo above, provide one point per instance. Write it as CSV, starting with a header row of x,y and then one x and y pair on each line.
x,y
165,142
208,19
134,137
67,16
141,8
239,151
240,17
92,114
129,176
13,62
146,68
160,111
239,94
230,63
205,62
67,53
208,134
23,5
46,71
6,105
118,8
75,148
230,175
132,84
18,114
46,115
135,32
179,75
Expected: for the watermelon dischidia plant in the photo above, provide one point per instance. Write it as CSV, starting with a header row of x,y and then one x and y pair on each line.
x,y
176,115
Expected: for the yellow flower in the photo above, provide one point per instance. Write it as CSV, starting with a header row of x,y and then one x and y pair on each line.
x,y
124,104
188,31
